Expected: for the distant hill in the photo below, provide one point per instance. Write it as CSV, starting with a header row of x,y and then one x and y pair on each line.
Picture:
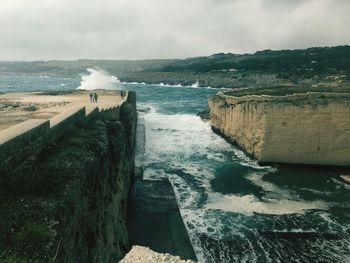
x,y
299,62
311,66
75,67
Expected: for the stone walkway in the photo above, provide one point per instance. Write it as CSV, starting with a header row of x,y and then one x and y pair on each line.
x,y
18,107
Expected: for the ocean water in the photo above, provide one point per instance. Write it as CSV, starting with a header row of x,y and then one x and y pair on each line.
x,y
234,210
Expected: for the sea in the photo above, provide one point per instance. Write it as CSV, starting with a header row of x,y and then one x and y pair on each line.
x,y
234,209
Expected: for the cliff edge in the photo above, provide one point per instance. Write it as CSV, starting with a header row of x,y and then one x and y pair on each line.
x,y
68,202
302,128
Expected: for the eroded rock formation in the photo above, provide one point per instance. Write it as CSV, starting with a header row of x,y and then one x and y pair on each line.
x,y
312,128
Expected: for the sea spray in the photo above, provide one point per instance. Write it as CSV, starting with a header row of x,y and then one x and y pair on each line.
x,y
98,78
195,85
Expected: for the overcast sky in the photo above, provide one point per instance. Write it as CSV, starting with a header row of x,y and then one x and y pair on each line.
x,y
139,29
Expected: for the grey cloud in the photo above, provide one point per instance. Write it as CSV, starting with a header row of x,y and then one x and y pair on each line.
x,y
137,29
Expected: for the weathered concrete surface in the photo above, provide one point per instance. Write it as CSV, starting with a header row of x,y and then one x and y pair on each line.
x,y
78,112
18,107
311,128
23,128
20,141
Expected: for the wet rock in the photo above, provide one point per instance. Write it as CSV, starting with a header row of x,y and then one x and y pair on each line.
x,y
205,115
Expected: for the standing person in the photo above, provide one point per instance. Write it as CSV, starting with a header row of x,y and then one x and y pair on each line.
x,y
95,96
91,98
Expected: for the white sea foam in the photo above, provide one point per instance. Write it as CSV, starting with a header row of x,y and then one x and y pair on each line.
x,y
256,178
185,195
244,160
276,201
195,85
178,85
341,184
249,204
184,149
98,78
133,83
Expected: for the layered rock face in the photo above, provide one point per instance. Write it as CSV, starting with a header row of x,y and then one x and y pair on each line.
x,y
312,128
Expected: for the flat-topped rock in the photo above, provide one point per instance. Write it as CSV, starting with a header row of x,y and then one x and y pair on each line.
x,y
231,98
310,128
18,107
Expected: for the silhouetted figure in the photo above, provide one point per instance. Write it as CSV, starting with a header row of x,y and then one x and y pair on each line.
x,y
95,97
91,98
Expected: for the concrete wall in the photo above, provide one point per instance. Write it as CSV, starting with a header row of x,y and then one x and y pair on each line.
x,y
111,113
128,115
312,128
66,119
20,141
23,140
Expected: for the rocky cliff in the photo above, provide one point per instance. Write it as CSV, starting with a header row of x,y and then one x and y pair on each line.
x,y
68,203
311,128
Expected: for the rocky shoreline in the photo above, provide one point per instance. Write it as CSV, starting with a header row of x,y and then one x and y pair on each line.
x,y
139,254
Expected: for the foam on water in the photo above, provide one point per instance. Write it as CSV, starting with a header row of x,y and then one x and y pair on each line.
x,y
249,204
225,227
178,85
225,198
196,84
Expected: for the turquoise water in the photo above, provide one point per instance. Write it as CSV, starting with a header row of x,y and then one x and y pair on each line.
x,y
231,206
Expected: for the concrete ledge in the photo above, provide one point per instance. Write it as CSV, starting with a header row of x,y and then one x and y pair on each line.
x,y
27,127
111,113
78,112
21,141
61,122
91,112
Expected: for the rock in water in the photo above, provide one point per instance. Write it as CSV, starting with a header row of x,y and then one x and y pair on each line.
x,y
140,254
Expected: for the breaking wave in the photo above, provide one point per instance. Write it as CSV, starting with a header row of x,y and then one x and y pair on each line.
x,y
98,78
